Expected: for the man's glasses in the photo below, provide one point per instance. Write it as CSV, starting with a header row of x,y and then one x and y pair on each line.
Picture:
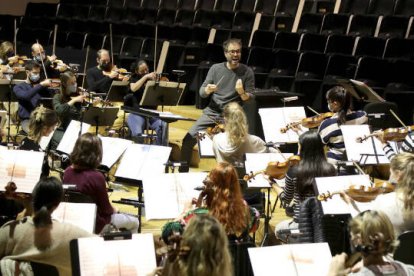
x,y
234,51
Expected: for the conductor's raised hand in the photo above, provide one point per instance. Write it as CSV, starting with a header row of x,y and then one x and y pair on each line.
x,y
210,88
239,87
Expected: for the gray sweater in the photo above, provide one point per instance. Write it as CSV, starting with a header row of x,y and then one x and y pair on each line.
x,y
226,88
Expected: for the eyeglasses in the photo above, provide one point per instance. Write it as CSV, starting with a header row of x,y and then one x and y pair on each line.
x,y
238,51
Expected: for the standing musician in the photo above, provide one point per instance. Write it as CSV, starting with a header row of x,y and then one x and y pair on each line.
x,y
225,82
136,123
339,102
67,105
231,145
30,92
300,178
42,122
86,157
50,62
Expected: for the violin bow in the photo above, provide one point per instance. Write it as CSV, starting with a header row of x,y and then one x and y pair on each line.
x,y
313,110
155,46
15,36
84,67
398,118
111,43
41,58
54,39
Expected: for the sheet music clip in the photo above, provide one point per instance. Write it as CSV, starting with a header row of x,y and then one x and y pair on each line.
x,y
272,145
289,99
110,233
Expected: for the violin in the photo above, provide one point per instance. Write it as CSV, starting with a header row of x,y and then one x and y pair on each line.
x,y
276,169
310,122
389,134
361,193
18,60
10,192
211,131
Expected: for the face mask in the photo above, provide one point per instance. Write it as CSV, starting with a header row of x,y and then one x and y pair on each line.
x,y
105,65
34,77
40,57
72,88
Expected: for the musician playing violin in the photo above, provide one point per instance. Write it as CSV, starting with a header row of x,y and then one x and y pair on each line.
x,y
137,123
231,145
7,54
339,102
299,179
39,56
30,92
407,145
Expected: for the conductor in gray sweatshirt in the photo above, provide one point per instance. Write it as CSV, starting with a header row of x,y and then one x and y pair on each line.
x,y
226,82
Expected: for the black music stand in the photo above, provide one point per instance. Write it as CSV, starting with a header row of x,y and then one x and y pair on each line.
x,y
360,91
162,93
100,116
117,92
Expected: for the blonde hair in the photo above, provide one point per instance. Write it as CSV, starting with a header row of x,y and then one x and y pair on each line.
x,y
4,48
371,225
207,250
41,118
235,123
404,162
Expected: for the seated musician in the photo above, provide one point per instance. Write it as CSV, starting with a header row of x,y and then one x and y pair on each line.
x,y
53,70
7,54
373,236
39,238
232,144
339,102
42,123
86,157
137,123
221,198
405,146
300,178
30,92
67,105
100,77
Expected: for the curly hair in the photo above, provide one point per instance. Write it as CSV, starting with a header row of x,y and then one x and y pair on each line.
x,y
40,119
226,201
404,162
236,123
87,153
207,251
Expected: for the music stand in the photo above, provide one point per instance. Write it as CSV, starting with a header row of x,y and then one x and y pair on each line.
x,y
162,93
117,92
100,116
360,91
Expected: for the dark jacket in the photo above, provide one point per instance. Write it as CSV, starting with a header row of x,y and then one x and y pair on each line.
x,y
310,221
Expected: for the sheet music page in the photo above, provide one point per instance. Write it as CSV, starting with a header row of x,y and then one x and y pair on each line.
x,y
71,135
146,160
164,114
293,259
273,119
82,215
205,145
22,167
112,149
355,149
117,257
166,194
256,162
45,140
336,205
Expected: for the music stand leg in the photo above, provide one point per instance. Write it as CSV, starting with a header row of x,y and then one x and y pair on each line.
x,y
267,219
140,208
375,150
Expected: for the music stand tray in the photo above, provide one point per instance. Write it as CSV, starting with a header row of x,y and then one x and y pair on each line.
x,y
117,92
162,93
100,116
360,91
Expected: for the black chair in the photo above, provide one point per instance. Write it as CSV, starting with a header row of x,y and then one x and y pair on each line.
x,y
243,21
148,49
399,48
289,7
393,26
187,4
77,197
66,10
362,25
267,23
40,269
381,7
404,7
340,44
40,10
385,119
114,14
369,46
400,76
134,4
203,18
313,43
405,99
169,4
404,252
324,6
184,17
240,256
213,54
225,5
131,49
267,6
165,17
116,3
373,72
206,5
354,6
246,6
334,23
95,41
223,19
97,13
260,60
264,39
221,36
76,40
283,69
150,5
310,23
288,41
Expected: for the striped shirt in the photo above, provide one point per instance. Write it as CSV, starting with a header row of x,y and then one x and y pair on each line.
x,y
406,146
331,134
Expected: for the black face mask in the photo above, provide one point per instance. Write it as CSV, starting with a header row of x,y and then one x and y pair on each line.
x,y
106,66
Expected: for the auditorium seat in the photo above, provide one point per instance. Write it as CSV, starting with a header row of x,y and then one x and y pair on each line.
x,y
165,17
261,61
206,5
133,4
169,4
116,3
225,5
381,7
283,70
114,14
188,4
246,6
75,40
374,72
310,23
150,5
97,13
312,42
267,6
243,21
369,46
335,23
354,6
95,41
404,7
287,40
393,26
362,25
262,38
340,44
399,48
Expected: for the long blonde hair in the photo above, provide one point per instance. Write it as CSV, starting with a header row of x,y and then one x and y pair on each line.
x,y
41,118
207,252
404,162
235,124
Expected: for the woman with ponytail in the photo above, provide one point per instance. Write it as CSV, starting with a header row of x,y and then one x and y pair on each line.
x,y
231,145
40,238
339,102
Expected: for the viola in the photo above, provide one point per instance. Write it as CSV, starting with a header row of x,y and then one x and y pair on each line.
x,y
389,134
276,169
310,122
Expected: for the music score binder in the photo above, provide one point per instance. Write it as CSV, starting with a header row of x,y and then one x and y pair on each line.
x,y
360,91
96,256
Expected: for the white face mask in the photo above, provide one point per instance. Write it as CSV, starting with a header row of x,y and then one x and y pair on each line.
x,y
72,88
34,77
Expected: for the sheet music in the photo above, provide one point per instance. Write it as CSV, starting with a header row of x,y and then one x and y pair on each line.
x,y
68,141
166,194
372,95
117,257
336,205
22,167
141,160
82,215
112,149
205,145
293,259
273,119
355,149
256,162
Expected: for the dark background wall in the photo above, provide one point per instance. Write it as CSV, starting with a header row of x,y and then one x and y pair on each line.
x,y
18,7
